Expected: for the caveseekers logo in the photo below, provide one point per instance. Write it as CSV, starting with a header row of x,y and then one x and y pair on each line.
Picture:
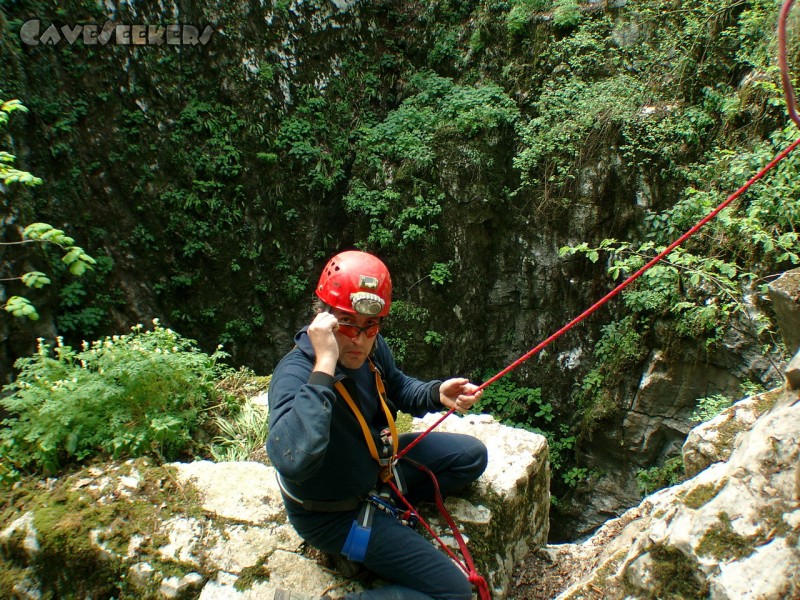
x,y
34,33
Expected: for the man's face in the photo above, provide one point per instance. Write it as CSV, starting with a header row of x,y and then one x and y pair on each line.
x,y
354,351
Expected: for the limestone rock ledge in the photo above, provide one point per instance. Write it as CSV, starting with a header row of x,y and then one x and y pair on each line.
x,y
731,531
507,513
218,530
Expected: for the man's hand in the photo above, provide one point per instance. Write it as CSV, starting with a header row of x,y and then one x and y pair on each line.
x,y
320,332
459,393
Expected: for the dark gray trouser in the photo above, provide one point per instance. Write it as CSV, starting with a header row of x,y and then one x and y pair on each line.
x,y
414,568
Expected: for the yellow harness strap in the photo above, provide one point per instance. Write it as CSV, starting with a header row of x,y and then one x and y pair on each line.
x,y
385,463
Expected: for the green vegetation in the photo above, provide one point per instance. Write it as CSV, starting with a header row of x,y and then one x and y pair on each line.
x,y
143,393
710,406
515,405
675,576
701,495
243,426
439,135
74,258
523,407
396,188
401,328
699,291
652,479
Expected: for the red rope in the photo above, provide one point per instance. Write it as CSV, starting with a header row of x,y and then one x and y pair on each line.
x,y
594,307
788,89
469,568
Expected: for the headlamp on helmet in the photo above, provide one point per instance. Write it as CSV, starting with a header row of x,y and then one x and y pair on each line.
x,y
356,282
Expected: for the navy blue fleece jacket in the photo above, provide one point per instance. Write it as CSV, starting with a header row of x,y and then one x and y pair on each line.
x,y
315,441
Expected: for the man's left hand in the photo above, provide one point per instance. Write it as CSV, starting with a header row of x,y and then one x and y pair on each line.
x,y
459,393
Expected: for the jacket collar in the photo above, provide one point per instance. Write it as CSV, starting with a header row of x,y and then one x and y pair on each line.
x,y
303,343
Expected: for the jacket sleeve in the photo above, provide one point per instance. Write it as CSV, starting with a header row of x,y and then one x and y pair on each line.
x,y
300,407
408,394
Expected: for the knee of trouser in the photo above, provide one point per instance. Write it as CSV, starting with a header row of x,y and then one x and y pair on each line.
x,y
480,458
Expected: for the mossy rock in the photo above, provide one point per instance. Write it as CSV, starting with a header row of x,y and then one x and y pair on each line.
x,y
75,543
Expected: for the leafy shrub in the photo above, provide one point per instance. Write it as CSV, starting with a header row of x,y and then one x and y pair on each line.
x,y
709,407
567,14
658,477
573,119
701,288
404,328
74,258
392,184
146,392
521,13
515,405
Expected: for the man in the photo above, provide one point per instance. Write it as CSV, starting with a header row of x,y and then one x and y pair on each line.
x,y
332,400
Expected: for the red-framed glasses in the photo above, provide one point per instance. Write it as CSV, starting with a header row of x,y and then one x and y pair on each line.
x,y
353,331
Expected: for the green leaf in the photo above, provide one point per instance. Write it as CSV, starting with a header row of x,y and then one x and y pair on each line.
x,y
72,443
35,279
77,268
73,255
34,231
21,307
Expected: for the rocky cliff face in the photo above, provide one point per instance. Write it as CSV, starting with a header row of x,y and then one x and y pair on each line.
x,y
731,531
464,142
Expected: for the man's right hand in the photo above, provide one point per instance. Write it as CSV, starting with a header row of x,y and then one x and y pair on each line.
x,y
320,332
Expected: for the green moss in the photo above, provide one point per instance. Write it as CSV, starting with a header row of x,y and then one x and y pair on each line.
x,y
403,422
250,575
68,510
723,543
703,494
764,402
731,427
12,578
675,576
773,525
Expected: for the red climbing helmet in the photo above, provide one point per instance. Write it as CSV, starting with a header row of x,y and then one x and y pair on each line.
x,y
356,282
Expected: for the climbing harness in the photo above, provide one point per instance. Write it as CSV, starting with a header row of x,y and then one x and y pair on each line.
x,y
355,546
792,109
386,459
